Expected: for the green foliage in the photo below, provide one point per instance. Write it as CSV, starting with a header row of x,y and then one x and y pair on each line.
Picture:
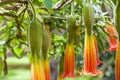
x,y
15,18
48,5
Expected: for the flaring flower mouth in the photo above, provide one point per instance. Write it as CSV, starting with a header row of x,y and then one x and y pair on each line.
x,y
111,39
90,56
69,62
117,65
37,71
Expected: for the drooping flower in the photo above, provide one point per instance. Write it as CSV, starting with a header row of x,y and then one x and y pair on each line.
x,y
90,57
118,62
37,71
69,62
45,47
112,40
97,55
47,69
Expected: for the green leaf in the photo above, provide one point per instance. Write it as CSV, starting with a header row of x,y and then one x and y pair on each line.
x,y
37,2
48,5
19,51
20,10
79,2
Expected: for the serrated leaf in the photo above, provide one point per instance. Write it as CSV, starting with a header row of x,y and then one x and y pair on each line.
x,y
48,5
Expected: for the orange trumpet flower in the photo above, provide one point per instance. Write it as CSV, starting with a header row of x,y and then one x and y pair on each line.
x,y
37,71
118,62
47,69
112,40
69,62
90,56
96,48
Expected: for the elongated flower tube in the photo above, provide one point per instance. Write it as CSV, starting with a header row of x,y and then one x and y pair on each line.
x,y
47,69
45,47
90,57
37,71
97,55
117,25
118,62
112,40
69,62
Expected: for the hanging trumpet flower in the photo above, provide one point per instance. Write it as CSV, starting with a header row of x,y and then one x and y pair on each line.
x,y
90,56
69,58
112,40
35,37
90,52
69,61
117,25
45,46
96,49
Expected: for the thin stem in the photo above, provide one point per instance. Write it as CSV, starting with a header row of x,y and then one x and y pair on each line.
x,y
34,14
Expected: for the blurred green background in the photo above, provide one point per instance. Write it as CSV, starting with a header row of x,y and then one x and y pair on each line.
x,y
14,21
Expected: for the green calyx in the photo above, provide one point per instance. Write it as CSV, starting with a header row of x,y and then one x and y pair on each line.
x,y
35,37
46,42
88,14
117,19
73,30
70,27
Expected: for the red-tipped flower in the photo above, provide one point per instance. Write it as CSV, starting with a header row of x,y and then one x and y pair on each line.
x,y
118,62
69,62
37,71
97,55
112,40
90,57
47,69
